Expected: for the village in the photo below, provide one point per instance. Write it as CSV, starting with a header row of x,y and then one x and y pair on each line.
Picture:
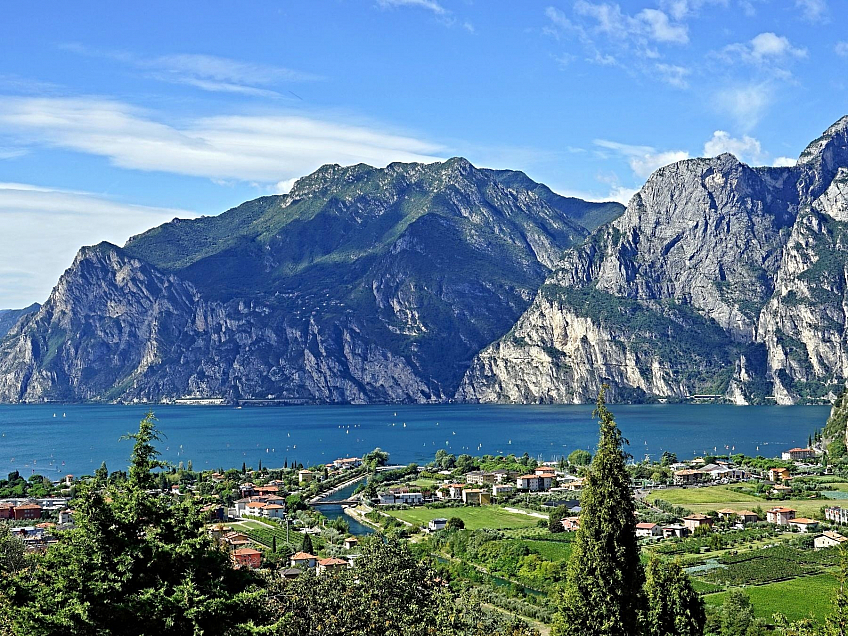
x,y
707,510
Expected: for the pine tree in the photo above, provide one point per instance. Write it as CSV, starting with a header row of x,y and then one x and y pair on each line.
x,y
190,467
306,546
674,607
603,595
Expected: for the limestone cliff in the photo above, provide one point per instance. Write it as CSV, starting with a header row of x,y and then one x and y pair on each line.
x,y
719,279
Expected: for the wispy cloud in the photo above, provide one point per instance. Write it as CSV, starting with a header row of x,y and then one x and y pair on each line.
x,y
673,74
746,103
813,10
643,160
841,49
206,72
43,228
611,37
442,14
265,149
11,153
430,5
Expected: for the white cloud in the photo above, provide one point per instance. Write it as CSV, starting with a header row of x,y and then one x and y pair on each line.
x,y
430,5
745,149
617,193
643,160
44,227
673,75
766,45
765,48
813,10
784,162
682,9
647,25
841,49
746,104
266,149
660,28
621,194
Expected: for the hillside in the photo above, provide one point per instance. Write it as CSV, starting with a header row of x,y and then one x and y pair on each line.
x,y
359,285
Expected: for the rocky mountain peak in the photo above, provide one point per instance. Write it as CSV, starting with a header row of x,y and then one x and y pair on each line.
x,y
832,144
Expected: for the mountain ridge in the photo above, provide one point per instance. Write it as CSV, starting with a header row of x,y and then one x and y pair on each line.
x,y
361,284
706,237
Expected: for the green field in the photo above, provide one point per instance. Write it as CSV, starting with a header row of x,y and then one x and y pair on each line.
x,y
474,517
796,599
551,550
715,497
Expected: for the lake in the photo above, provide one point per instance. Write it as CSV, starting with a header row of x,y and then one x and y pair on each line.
x,y
60,439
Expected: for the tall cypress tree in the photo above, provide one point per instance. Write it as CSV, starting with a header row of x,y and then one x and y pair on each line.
x,y
674,607
306,546
603,595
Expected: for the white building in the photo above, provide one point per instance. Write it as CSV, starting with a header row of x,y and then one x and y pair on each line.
x,y
437,524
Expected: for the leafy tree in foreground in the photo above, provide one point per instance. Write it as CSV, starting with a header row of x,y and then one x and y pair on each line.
x,y
136,563
390,592
837,621
737,615
674,607
603,595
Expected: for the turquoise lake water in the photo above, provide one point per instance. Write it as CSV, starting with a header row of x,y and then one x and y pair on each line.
x,y
79,437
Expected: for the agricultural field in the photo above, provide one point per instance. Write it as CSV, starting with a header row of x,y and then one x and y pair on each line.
x,y
708,498
796,599
475,518
755,567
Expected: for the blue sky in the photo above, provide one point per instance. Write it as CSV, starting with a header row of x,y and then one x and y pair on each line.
x,y
115,117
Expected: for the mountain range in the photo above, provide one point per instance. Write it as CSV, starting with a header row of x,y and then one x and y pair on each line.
x,y
438,282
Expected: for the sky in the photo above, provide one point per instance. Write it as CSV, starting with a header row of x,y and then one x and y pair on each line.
x,y
116,117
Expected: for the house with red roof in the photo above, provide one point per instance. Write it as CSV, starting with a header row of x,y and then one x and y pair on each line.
x,y
247,558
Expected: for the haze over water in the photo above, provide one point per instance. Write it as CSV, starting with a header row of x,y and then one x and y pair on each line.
x,y
33,440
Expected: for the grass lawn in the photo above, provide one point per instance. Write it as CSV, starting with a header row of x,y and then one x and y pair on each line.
x,y
796,599
551,550
714,497
475,517
422,482
253,525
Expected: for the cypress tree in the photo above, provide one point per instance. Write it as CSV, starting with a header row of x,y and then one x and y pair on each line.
x,y
674,607
603,595
274,543
243,468
306,546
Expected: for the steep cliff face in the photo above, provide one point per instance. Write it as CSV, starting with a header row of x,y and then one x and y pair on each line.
x,y
360,285
9,317
718,279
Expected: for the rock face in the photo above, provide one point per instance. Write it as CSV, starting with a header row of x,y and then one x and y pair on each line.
x,y
8,317
360,285
718,279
